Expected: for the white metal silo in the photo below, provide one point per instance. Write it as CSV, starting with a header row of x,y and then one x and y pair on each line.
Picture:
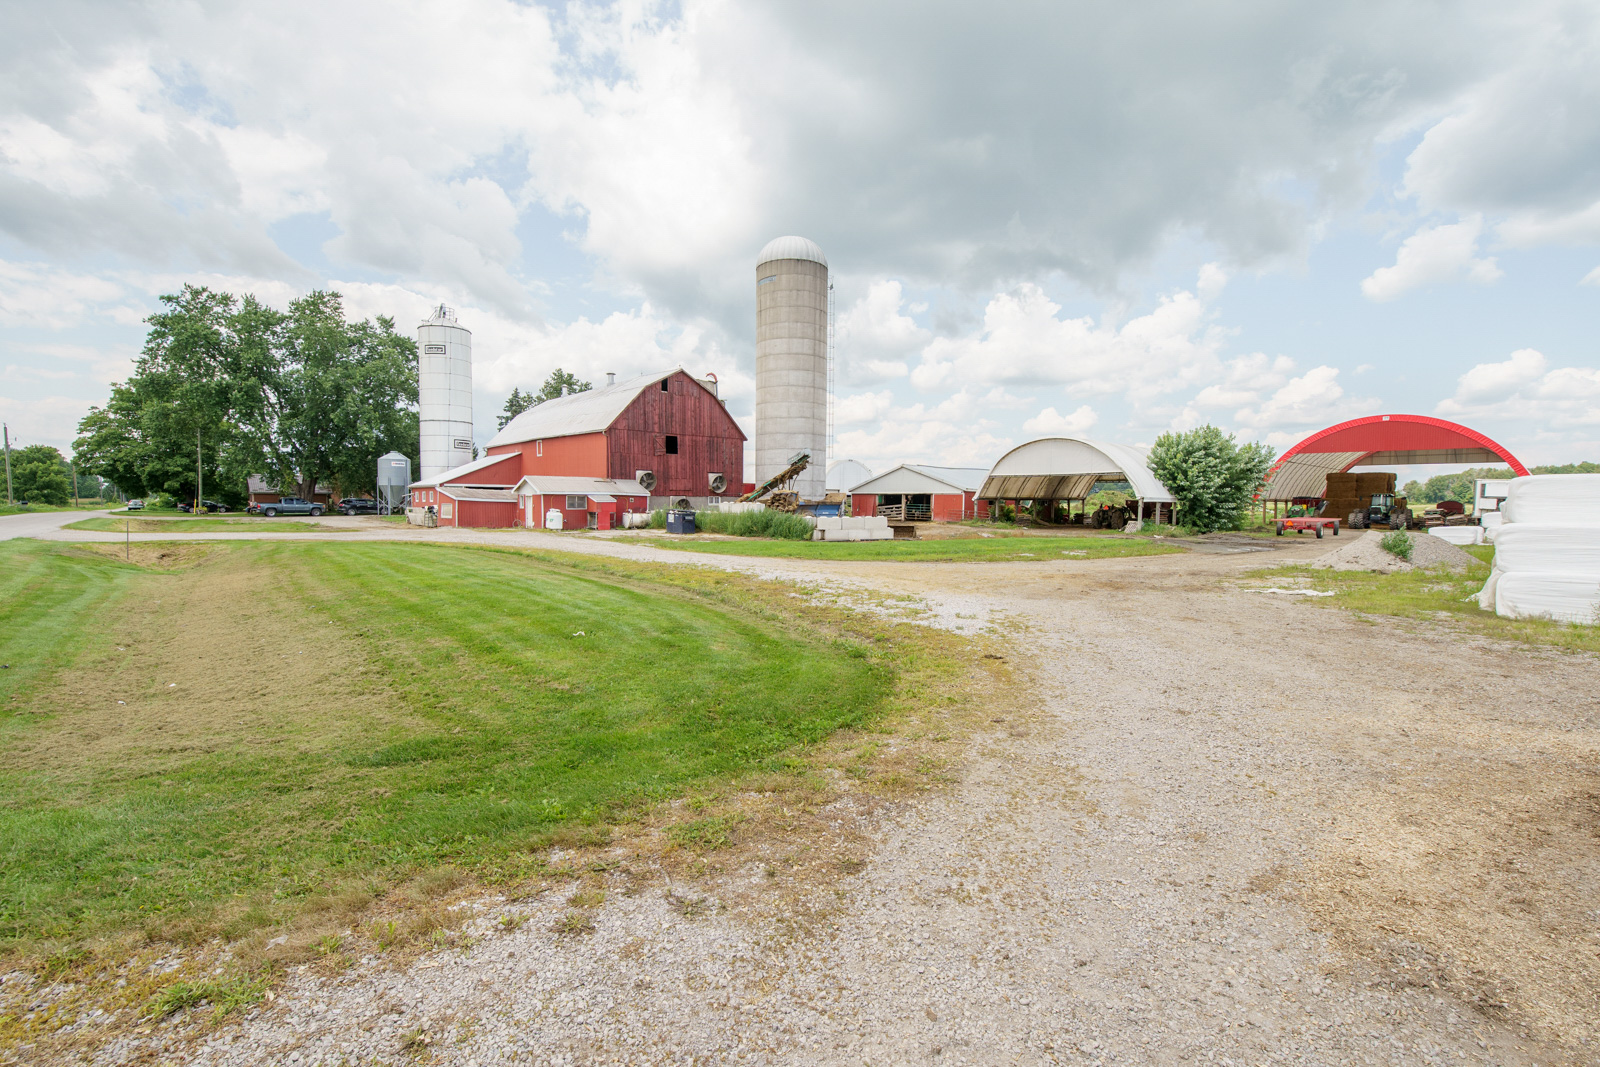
x,y
792,361
444,391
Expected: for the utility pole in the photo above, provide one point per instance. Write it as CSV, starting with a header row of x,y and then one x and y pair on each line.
x,y
7,431
73,466
199,475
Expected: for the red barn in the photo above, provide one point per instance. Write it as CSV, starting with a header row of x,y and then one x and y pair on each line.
x,y
666,435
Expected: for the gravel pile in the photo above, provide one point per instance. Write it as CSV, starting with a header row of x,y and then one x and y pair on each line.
x,y
1366,553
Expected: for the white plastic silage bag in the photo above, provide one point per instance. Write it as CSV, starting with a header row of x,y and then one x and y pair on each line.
x,y
1553,499
1525,547
1486,594
1539,594
1459,535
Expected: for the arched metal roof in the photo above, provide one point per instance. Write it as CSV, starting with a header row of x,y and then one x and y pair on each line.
x,y
1067,468
1378,440
791,248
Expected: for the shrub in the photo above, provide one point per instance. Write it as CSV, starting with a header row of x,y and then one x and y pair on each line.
x,y
1213,478
763,523
1397,543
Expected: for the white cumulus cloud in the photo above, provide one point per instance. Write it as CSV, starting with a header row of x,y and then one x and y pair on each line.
x,y
1443,253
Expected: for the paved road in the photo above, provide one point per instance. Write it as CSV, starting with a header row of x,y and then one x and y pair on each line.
x,y
42,523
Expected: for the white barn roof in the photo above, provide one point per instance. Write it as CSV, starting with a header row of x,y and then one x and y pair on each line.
x,y
1066,468
590,411
561,485
463,471
920,478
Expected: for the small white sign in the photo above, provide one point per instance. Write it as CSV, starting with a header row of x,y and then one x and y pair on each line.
x,y
433,350
463,443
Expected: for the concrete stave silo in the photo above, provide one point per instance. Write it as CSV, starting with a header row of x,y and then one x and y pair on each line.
x,y
792,361
444,392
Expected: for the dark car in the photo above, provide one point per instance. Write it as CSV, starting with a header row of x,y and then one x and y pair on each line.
x,y
291,505
209,505
358,505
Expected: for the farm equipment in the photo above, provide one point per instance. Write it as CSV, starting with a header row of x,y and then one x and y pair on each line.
x,y
779,497
1299,523
1386,509
1109,517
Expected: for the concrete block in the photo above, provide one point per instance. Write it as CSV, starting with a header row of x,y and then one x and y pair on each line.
x,y
819,535
833,523
855,522
875,522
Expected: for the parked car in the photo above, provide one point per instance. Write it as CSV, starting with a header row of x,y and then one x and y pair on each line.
x,y
209,505
136,505
358,505
291,505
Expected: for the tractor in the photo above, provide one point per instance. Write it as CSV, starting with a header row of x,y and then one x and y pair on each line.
x,y
1386,509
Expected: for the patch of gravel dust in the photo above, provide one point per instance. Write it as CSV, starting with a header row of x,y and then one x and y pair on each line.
x,y
1366,553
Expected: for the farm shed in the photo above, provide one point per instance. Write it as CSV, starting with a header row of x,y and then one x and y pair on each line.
x,y
1068,469
458,505
915,492
584,503
1378,440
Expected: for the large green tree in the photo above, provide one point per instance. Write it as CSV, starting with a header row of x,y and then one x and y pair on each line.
x,y
559,384
40,476
1212,476
301,396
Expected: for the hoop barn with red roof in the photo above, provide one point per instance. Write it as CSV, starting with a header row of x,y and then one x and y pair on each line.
x,y
1376,441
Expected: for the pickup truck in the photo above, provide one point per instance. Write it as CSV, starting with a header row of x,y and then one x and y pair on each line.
x,y
291,505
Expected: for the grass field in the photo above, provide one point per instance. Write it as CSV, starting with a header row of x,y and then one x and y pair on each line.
x,y
200,524
998,549
1436,595
236,733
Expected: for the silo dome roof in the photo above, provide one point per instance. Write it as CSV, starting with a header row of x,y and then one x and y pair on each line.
x,y
792,248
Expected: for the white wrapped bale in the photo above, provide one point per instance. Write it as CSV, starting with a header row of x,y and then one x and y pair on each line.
x,y
1553,499
1536,594
1459,535
1525,547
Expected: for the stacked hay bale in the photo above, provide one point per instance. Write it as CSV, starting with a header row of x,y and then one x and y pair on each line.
x,y
1349,492
1547,550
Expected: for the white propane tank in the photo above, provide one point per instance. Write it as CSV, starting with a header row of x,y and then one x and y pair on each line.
x,y
552,519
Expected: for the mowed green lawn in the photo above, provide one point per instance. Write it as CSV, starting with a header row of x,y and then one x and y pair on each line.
x,y
999,549
199,751
200,524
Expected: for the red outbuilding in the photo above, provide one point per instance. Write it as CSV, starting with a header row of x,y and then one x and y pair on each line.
x,y
915,492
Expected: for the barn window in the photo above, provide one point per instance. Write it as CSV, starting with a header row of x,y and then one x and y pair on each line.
x,y
672,444
538,448
664,385
577,503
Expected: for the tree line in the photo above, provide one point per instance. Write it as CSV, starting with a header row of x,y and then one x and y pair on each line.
x,y
1462,486
226,387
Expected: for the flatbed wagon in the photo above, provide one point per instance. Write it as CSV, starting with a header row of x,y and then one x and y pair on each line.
x,y
1300,524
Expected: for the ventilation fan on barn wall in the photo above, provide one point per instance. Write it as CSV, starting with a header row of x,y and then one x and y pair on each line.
x,y
646,479
719,484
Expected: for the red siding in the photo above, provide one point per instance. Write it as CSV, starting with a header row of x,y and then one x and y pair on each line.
x,y
947,507
480,513
579,456
608,515
864,504
709,440
505,473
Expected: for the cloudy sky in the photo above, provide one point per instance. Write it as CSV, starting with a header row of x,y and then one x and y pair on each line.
x,y
1107,219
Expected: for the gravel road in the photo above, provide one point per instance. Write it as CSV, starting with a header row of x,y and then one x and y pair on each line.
x,y
1236,831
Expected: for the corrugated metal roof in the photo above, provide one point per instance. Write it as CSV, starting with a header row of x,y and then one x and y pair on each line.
x,y
791,248
461,492
921,478
554,485
466,469
1058,468
590,411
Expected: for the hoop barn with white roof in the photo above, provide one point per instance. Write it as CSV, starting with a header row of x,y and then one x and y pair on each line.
x,y
1068,469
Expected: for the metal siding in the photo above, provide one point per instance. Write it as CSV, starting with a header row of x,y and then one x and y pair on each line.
x,y
948,507
485,513
864,504
709,440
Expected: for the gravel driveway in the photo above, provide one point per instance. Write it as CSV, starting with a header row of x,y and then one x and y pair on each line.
x,y
1237,830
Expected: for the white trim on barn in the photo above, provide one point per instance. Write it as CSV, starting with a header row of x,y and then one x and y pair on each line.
x,y
920,478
